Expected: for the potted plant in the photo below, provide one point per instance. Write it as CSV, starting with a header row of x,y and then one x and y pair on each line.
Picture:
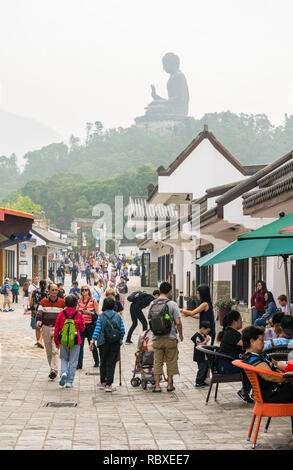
x,y
192,302
224,306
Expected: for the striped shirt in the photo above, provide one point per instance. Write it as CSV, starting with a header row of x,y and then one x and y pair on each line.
x,y
89,305
49,310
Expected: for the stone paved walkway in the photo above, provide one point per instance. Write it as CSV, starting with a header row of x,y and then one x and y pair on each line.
x,y
130,418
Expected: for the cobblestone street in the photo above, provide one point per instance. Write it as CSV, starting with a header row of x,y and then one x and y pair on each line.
x,y
130,418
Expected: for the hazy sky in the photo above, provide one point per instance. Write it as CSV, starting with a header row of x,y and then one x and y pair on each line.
x,y
66,62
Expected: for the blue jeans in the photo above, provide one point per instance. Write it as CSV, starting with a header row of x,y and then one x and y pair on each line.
x,y
34,323
88,333
268,314
260,322
231,369
69,359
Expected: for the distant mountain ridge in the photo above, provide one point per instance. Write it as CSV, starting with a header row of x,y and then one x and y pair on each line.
x,y
19,134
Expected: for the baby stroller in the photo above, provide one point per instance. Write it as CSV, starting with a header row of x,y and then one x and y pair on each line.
x,y
144,361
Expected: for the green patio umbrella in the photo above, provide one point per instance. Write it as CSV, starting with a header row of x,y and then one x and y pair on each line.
x,y
274,239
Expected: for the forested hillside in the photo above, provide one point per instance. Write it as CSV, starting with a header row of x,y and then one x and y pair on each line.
x,y
66,195
67,180
250,138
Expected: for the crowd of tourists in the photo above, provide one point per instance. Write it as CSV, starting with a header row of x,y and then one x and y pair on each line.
x,y
63,321
95,312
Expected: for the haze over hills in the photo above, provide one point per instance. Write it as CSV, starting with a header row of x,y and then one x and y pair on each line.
x,y
113,161
20,134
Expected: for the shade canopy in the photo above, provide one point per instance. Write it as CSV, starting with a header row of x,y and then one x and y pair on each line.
x,y
275,229
265,241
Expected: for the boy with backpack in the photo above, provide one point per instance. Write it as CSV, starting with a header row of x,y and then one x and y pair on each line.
x,y
68,326
201,338
109,333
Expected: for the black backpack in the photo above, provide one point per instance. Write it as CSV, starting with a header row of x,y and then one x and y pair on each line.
x,y
160,320
134,296
3,290
112,331
142,299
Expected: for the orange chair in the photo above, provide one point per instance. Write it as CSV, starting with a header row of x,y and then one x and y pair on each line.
x,y
270,410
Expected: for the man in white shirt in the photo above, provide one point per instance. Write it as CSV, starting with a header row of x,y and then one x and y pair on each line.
x,y
282,299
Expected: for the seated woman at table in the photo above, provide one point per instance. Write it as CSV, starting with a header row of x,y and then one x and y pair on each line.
x,y
271,308
273,389
205,311
231,344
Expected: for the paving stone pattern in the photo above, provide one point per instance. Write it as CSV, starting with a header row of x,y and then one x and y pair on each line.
x,y
128,419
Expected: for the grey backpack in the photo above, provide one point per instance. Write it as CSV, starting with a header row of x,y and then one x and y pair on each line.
x,y
160,320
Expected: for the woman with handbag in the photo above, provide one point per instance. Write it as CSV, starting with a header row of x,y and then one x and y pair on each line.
x,y
89,307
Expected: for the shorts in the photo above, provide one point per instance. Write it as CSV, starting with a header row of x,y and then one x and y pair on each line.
x,y
6,300
166,349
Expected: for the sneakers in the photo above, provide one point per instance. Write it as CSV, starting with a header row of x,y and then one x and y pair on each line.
x,y
101,386
4,310
245,397
53,375
109,388
11,310
63,379
201,385
128,342
69,385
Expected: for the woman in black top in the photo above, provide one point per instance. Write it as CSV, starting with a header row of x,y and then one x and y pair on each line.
x,y
205,310
231,344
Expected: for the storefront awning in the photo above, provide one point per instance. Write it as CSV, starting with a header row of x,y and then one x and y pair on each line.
x,y
15,226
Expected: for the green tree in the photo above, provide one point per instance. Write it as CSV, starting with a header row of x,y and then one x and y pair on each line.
x,y
25,204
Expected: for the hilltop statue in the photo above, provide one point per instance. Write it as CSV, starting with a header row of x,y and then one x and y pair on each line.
x,y
176,106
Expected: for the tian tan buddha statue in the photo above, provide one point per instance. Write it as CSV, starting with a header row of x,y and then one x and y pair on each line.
x,y
178,96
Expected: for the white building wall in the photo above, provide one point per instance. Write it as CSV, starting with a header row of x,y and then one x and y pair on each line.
x,y
233,213
204,168
276,276
128,250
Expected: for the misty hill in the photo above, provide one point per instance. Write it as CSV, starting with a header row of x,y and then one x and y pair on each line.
x,y
252,139
19,134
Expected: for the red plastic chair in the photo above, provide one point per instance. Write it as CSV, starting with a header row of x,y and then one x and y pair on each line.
x,y
270,410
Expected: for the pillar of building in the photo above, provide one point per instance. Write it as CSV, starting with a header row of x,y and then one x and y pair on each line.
x,y
178,266
2,266
154,253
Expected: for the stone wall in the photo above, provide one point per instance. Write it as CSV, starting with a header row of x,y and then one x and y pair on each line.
x,y
245,314
221,289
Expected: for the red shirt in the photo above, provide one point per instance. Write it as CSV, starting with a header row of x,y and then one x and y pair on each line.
x,y
78,321
89,305
258,300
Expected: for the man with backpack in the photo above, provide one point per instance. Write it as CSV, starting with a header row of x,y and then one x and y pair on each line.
x,y
165,320
47,313
109,333
68,326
